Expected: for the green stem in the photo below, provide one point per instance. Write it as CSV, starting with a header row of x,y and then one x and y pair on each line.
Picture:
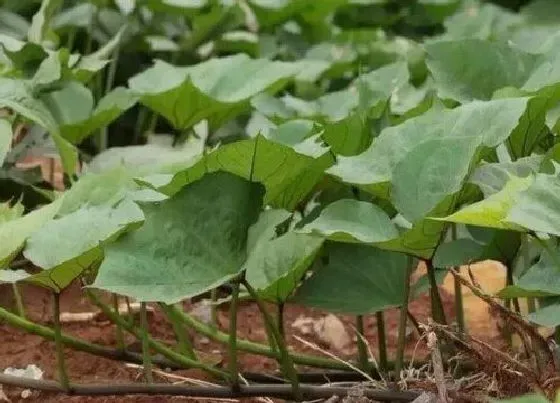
x,y
139,126
153,123
59,344
184,343
129,310
382,341
258,348
156,346
147,359
285,359
459,310
214,307
531,306
401,338
109,82
281,326
19,300
119,331
70,40
363,358
437,306
232,345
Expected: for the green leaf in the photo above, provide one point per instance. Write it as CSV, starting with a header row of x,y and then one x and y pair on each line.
x,y
276,265
216,90
67,246
73,109
40,23
490,121
5,139
358,279
14,233
493,211
189,244
9,213
148,159
13,276
514,291
289,169
538,207
478,244
432,171
25,56
352,221
13,24
491,66
544,276
94,190
492,177
17,95
549,316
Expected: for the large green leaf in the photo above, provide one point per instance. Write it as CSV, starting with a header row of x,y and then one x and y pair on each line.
x,y
490,121
287,162
14,233
67,246
357,279
493,211
353,221
430,172
216,90
469,69
5,139
188,244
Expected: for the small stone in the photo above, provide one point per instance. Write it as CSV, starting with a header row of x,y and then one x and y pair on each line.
x,y
331,331
203,312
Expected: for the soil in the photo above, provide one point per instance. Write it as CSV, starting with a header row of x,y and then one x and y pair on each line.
x,y
18,349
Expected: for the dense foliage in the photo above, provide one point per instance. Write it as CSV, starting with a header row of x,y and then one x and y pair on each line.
x,y
315,148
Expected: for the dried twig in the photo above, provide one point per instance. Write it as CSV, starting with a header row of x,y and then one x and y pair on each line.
x,y
437,361
334,357
512,318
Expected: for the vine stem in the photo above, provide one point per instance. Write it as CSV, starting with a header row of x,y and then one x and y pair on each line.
x,y
401,338
459,310
437,306
59,344
232,345
119,331
281,327
146,356
214,307
158,347
19,300
258,348
381,341
184,343
363,358
285,358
